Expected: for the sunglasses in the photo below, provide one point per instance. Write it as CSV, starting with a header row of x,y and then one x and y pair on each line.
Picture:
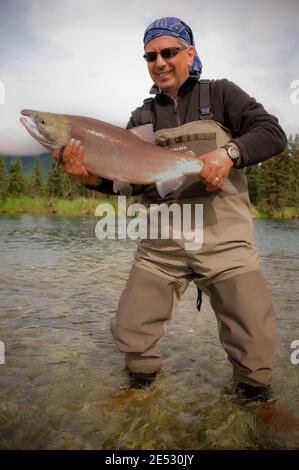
x,y
166,53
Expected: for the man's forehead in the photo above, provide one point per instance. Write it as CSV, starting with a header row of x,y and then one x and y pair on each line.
x,y
162,41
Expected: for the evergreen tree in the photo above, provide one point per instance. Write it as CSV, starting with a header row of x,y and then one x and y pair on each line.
x,y
36,182
3,178
60,184
253,178
16,182
76,188
277,182
55,183
293,200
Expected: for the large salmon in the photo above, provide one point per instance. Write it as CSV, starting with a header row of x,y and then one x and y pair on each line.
x,y
121,155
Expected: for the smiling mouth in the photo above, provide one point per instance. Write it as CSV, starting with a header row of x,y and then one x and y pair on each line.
x,y
163,74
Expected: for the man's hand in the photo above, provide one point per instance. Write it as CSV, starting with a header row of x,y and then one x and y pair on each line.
x,y
72,162
216,168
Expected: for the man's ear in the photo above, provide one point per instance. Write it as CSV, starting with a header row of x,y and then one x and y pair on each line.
x,y
191,54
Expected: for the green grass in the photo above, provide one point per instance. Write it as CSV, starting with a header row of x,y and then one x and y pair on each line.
x,y
42,205
267,213
86,206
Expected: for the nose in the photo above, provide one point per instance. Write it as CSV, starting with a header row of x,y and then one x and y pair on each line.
x,y
160,62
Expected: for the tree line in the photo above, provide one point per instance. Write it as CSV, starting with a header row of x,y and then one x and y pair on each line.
x,y
273,184
58,184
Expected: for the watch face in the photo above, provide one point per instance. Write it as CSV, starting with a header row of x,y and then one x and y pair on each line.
x,y
233,152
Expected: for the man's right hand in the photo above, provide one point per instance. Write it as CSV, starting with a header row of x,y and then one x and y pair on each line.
x,y
72,162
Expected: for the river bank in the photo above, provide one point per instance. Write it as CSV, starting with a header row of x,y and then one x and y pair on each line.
x,y
86,206
53,206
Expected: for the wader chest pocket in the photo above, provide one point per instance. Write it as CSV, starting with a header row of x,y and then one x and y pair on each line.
x,y
199,136
199,142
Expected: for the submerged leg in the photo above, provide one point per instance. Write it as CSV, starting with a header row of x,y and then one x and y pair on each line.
x,y
247,326
145,309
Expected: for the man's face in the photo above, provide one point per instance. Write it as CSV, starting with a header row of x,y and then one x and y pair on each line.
x,y
169,74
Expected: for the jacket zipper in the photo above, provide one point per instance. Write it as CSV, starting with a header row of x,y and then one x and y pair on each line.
x,y
175,106
175,101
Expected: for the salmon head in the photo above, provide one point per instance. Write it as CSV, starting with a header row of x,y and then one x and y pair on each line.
x,y
49,129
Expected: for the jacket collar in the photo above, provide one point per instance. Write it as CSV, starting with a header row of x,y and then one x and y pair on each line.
x,y
186,86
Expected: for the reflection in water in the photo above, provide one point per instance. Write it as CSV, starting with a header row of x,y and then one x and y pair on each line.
x,y
61,386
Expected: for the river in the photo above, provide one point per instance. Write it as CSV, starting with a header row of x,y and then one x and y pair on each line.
x,y
61,384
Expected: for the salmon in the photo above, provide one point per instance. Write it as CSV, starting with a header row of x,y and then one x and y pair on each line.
x,y
121,155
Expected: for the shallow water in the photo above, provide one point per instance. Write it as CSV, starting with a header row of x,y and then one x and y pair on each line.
x,y
60,386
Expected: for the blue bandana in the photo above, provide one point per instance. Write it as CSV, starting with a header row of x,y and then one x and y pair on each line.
x,y
170,26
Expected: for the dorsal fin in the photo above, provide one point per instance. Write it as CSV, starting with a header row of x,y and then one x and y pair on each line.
x,y
144,132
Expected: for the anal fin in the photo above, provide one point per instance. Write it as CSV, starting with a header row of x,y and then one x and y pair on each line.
x,y
123,187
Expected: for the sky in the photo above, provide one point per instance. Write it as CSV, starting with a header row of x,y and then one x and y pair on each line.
x,y
85,57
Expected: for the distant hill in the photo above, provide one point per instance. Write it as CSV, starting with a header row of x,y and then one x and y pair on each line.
x,y
46,162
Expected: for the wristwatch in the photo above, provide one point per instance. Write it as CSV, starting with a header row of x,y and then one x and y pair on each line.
x,y
232,152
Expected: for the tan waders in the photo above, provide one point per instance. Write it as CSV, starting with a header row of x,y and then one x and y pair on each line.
x,y
226,268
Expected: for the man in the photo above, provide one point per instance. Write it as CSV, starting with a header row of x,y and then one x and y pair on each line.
x,y
228,130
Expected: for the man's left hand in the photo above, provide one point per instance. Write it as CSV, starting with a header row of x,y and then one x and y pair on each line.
x,y
216,166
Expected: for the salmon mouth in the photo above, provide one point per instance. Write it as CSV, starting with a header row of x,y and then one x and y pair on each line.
x,y
30,125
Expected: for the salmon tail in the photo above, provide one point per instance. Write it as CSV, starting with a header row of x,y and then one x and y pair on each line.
x,y
169,186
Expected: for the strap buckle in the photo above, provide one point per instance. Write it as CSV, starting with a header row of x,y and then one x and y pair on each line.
x,y
205,112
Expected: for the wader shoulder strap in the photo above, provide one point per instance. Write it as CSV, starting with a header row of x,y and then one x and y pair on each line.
x,y
146,111
205,109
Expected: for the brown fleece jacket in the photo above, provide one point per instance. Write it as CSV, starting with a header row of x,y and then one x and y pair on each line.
x,y
256,132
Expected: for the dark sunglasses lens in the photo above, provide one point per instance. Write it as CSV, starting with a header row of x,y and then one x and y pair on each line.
x,y
150,56
168,53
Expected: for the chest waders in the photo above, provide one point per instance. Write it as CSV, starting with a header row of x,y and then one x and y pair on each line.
x,y
226,268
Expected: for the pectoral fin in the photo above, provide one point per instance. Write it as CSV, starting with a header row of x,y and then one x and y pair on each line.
x,y
169,186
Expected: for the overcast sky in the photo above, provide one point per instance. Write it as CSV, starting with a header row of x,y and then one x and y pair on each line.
x,y
85,56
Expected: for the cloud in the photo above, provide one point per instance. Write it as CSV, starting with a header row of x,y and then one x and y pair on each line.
x,y
85,57
19,46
